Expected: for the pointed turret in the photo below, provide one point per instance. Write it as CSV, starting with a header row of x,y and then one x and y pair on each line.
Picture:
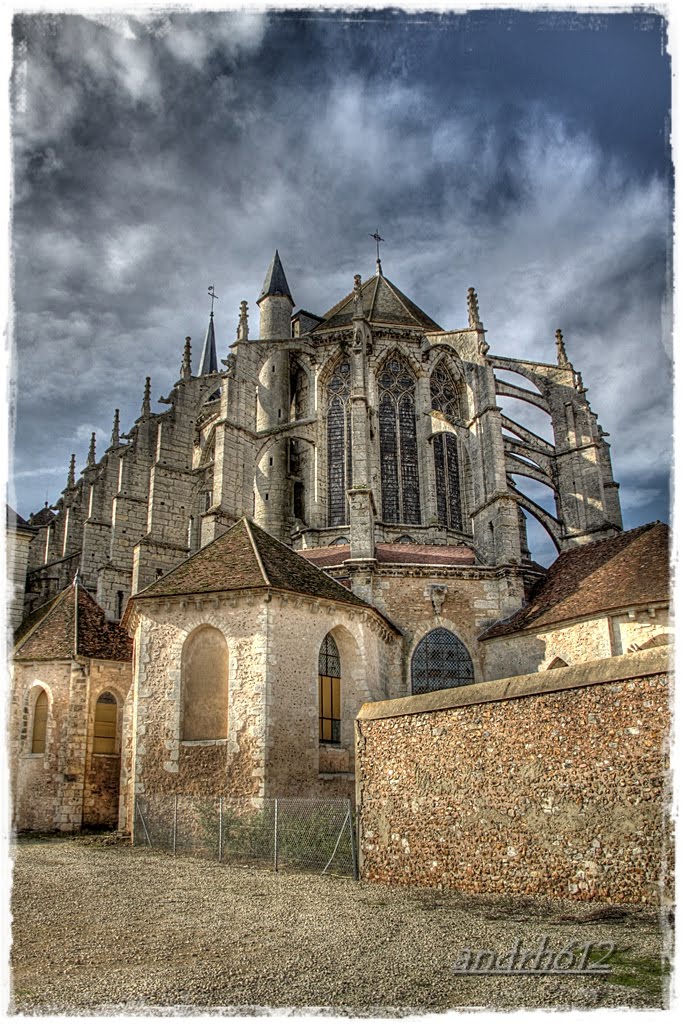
x,y
147,400
275,302
71,478
92,458
472,310
243,325
209,358
186,367
561,357
115,431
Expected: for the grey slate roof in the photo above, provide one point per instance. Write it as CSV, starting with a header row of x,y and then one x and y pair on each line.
x,y
382,303
275,280
209,358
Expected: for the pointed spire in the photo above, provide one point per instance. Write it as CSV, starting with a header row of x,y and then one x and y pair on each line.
x,y
472,310
147,400
186,368
275,281
243,325
209,359
561,357
92,459
115,436
71,478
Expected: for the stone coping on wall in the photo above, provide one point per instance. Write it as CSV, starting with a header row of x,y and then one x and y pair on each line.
x,y
587,673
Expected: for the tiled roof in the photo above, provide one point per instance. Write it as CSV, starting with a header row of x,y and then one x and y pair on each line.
x,y
42,518
48,633
396,554
247,558
627,570
382,303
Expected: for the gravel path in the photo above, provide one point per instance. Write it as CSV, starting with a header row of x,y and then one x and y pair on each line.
x,y
102,928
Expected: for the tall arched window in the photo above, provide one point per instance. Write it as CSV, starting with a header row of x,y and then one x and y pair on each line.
x,y
445,394
440,660
398,443
448,487
339,463
106,720
329,671
39,734
204,685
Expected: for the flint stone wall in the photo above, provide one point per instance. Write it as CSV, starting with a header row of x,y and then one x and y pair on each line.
x,y
546,784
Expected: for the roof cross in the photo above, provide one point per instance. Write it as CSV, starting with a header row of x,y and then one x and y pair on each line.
x,y
377,238
211,292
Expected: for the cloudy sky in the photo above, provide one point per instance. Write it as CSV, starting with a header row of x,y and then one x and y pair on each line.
x,y
524,153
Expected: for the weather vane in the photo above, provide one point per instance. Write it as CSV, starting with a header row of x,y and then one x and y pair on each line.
x,y
211,292
377,238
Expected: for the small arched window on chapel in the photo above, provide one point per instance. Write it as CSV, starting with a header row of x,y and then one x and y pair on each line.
x,y
106,721
204,685
329,670
39,733
440,661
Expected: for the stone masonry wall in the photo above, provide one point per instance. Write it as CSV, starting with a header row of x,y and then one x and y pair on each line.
x,y
552,785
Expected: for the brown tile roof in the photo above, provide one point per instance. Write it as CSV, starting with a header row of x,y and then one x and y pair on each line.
x,y
247,558
629,569
382,303
48,633
396,554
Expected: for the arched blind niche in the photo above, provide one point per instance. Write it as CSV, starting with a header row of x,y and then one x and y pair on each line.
x,y
339,462
398,443
204,685
440,661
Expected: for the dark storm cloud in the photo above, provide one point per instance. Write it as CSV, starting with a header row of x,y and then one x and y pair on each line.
x,y
525,154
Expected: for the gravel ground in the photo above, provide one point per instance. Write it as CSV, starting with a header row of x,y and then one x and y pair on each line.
x,y
104,928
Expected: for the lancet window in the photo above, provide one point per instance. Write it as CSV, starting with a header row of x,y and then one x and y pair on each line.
x,y
339,463
398,443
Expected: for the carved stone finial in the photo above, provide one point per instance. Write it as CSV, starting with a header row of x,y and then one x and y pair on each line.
x,y
71,479
115,436
243,325
579,386
561,357
357,296
186,367
147,400
472,310
91,452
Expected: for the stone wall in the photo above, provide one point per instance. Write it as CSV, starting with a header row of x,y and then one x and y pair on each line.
x,y
553,785
578,641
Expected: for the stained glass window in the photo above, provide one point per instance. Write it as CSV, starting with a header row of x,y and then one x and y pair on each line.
x,y
40,710
398,444
445,395
440,660
446,462
329,669
339,464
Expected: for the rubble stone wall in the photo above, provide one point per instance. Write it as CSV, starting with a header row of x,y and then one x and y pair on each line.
x,y
552,785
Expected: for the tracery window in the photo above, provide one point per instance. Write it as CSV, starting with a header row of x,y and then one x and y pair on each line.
x,y
448,485
398,443
329,675
445,395
440,661
106,717
339,462
39,734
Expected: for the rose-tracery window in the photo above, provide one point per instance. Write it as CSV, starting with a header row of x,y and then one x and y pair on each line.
x,y
339,464
398,443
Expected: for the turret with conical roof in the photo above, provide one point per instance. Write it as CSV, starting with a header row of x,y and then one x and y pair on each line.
x,y
275,302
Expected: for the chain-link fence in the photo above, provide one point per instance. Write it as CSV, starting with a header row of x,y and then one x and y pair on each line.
x,y
283,833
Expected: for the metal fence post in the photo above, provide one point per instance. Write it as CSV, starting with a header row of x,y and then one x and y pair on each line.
x,y
175,823
353,848
220,830
276,851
